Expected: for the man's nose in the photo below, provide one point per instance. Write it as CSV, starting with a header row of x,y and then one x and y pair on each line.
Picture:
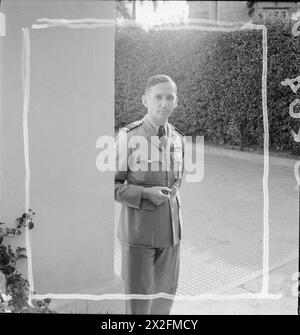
x,y
164,102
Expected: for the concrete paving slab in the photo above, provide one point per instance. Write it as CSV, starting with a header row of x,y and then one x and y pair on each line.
x,y
223,221
280,282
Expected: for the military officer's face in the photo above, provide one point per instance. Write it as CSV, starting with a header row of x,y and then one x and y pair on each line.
x,y
160,100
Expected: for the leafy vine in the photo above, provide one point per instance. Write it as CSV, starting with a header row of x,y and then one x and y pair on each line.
x,y
14,288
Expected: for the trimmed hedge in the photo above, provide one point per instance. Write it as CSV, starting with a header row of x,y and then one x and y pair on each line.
x,y
218,75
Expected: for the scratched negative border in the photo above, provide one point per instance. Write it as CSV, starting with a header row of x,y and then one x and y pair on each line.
x,y
91,23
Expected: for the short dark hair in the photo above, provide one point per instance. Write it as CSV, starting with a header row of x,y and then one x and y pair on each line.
x,y
159,78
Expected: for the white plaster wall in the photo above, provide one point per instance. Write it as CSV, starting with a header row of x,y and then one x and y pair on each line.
x,y
71,105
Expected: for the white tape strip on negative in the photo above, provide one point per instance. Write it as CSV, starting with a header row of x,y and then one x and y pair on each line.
x,y
2,24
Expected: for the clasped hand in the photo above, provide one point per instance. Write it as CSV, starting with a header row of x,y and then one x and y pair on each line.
x,y
157,194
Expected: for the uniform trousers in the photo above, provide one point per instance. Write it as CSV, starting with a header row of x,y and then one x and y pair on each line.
x,y
150,271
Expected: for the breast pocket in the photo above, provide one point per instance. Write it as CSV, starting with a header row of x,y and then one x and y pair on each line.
x,y
147,165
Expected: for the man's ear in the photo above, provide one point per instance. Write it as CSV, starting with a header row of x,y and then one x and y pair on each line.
x,y
144,100
176,101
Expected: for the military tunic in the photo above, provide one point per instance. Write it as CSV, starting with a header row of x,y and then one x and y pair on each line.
x,y
155,230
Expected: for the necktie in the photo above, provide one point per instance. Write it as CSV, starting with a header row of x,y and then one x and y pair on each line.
x,y
161,131
162,136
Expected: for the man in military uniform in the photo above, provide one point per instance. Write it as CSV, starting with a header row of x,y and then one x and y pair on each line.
x,y
150,221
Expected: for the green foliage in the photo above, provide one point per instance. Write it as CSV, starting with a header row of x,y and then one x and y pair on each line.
x,y
218,75
14,289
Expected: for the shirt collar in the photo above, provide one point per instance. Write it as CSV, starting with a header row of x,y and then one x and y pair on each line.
x,y
156,126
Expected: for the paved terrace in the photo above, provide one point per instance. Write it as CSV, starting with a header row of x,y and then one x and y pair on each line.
x,y
222,245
